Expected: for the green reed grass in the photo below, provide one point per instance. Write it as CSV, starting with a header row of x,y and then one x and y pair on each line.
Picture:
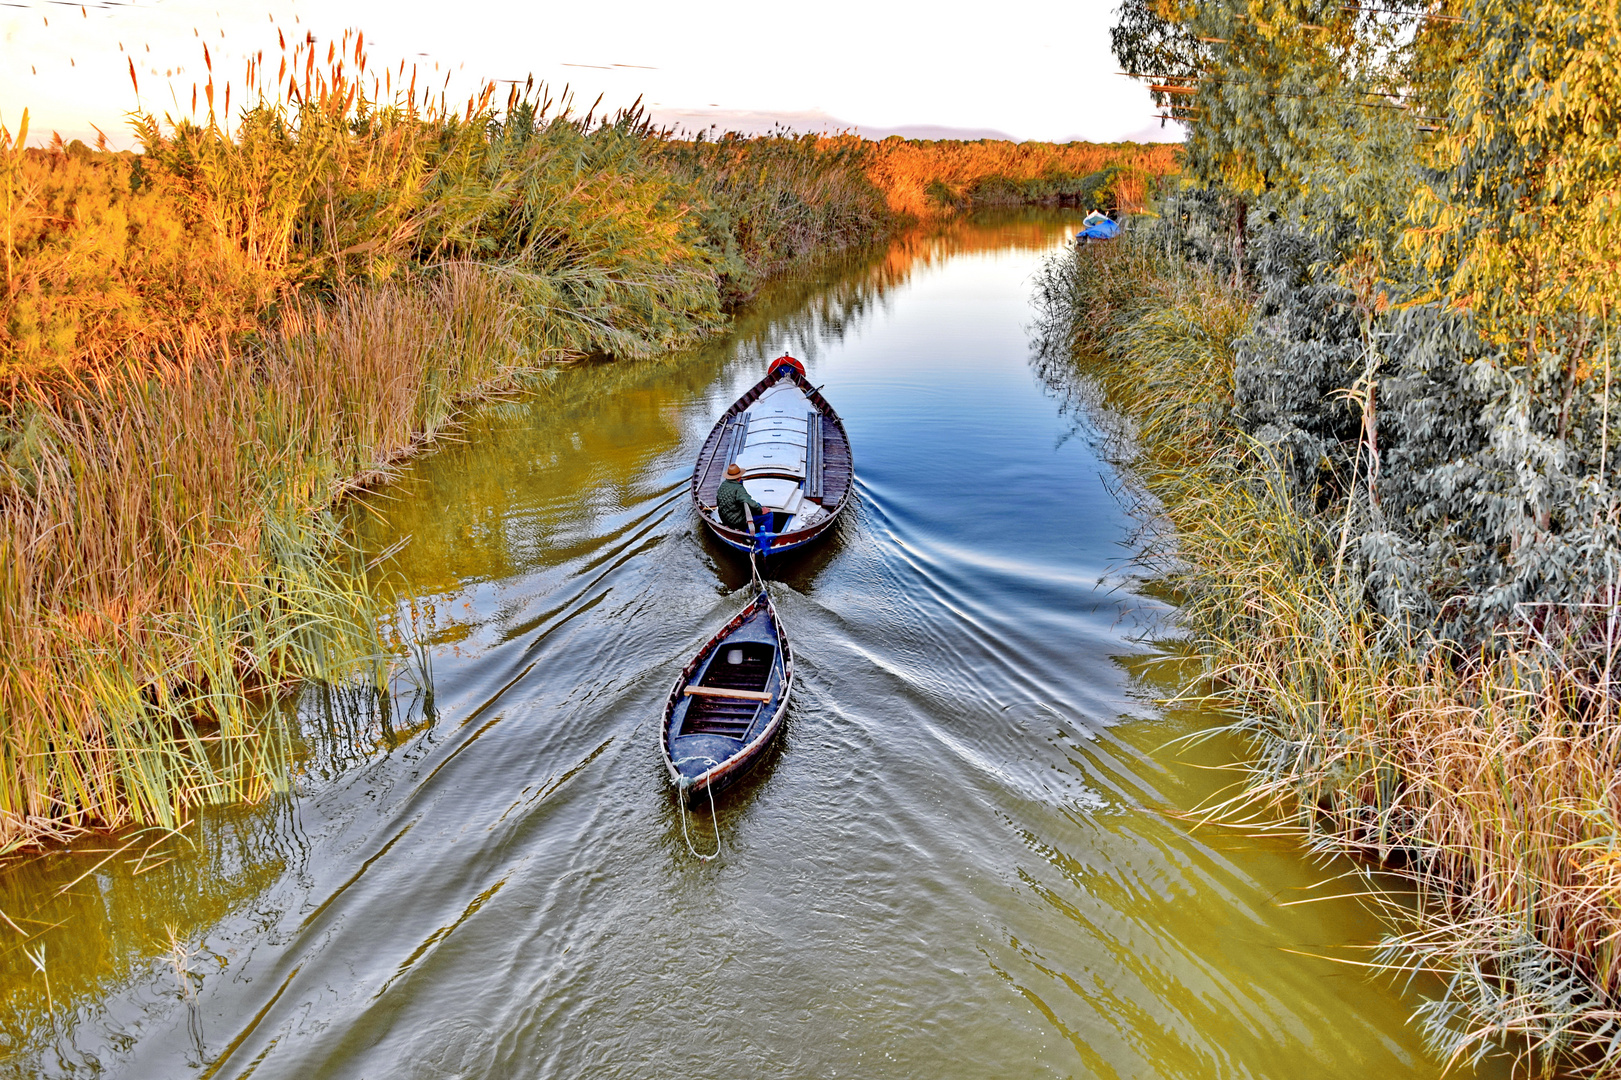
x,y
1489,782
204,344
763,204
169,558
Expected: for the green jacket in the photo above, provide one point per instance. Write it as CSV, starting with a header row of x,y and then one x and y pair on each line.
x,y
730,500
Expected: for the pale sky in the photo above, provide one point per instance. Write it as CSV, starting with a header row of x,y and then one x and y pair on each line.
x,y
1040,71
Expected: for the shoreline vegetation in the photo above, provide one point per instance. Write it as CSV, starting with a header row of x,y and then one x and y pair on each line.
x,y
1362,353
204,345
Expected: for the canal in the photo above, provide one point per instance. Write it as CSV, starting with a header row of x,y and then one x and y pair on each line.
x,y
973,853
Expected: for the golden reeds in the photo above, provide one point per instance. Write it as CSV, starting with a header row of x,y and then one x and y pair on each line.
x,y
922,178
202,345
167,558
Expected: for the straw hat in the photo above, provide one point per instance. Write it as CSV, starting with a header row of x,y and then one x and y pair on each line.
x,y
733,471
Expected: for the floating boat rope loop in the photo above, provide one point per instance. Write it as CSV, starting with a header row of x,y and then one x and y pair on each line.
x,y
681,787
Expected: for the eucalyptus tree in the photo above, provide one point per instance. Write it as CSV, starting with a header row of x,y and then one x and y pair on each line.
x,y
1436,187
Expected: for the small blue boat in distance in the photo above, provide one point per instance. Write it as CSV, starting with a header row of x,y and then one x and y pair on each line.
x,y
729,702
795,457
1099,226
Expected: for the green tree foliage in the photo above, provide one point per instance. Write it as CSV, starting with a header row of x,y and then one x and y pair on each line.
x,y
1438,241
1432,195
1155,40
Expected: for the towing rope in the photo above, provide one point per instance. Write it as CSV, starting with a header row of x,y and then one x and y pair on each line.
x,y
681,788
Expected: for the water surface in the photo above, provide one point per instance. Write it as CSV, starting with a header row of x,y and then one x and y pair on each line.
x,y
969,857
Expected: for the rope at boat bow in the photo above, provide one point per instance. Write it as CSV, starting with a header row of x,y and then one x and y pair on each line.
x,y
681,787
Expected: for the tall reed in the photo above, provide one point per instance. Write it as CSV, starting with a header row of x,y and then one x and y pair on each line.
x,y
168,561
761,204
1492,782
923,178
203,345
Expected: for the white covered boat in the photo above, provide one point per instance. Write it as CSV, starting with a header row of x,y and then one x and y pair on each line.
x,y
795,458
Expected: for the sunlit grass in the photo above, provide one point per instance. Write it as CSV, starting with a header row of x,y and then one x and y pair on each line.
x,y
168,561
923,177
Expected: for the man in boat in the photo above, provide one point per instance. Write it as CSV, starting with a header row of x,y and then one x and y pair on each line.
x,y
733,501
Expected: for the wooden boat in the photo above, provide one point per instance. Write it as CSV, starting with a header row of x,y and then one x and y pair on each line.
x,y
729,701
795,458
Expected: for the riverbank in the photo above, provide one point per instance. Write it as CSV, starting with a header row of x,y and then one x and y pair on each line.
x,y
206,344
1487,780
1011,882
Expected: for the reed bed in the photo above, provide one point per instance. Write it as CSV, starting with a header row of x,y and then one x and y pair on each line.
x,y
204,344
169,564
1491,782
763,204
922,178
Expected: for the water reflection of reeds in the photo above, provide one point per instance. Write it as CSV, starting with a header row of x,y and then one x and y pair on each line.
x,y
103,910
105,915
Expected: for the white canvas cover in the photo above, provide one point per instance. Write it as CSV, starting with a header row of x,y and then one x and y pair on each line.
x,y
809,514
783,399
775,452
776,437
775,493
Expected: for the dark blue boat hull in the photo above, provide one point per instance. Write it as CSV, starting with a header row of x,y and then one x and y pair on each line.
x,y
713,731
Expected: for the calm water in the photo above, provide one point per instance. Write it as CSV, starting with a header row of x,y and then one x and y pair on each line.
x,y
965,860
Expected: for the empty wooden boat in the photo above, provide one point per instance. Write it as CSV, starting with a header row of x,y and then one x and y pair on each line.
x,y
794,456
729,701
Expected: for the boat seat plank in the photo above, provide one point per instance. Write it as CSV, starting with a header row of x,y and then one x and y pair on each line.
x,y
728,698
717,691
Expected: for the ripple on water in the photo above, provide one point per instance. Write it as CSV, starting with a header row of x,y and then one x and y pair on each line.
x,y
967,857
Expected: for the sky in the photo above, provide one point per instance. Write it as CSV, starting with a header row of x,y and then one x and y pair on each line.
x,y
876,66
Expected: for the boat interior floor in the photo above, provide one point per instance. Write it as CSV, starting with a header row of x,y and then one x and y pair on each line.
x,y
735,666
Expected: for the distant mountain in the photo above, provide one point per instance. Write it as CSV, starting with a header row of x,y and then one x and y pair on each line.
x,y
934,131
815,121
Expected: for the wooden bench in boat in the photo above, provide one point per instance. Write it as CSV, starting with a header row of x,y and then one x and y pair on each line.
x,y
729,697
717,691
